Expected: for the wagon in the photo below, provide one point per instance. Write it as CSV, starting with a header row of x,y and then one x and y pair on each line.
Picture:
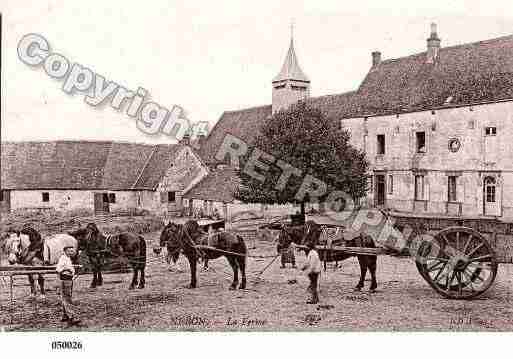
x,y
458,257
216,225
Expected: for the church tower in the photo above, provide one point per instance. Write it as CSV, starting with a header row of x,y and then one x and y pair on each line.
x,y
291,84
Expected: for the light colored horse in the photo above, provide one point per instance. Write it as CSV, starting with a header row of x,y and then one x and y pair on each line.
x,y
16,244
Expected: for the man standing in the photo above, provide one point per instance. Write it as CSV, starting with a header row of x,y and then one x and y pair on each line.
x,y
66,273
313,270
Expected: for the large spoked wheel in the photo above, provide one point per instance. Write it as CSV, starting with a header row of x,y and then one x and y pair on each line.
x,y
458,262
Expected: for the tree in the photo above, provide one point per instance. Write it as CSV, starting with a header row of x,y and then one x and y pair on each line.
x,y
315,145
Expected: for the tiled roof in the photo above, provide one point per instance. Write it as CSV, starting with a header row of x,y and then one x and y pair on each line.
x,y
464,74
157,165
219,185
82,165
243,124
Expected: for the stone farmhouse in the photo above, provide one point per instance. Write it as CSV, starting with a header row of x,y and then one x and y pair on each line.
x,y
436,127
97,176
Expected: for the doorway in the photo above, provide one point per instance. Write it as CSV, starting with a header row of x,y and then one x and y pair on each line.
x,y
380,190
101,203
5,201
491,198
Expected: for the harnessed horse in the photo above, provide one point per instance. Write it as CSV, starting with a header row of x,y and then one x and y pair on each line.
x,y
29,248
185,237
97,246
311,232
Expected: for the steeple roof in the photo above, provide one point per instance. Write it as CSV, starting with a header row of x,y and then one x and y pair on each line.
x,y
290,69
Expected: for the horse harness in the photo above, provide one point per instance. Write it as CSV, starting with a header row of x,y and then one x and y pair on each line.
x,y
191,243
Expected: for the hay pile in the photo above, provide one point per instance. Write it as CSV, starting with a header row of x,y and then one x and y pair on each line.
x,y
48,223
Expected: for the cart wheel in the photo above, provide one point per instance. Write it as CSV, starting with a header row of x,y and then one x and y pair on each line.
x,y
458,262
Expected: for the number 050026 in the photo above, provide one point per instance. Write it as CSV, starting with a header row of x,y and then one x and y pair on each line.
x,y
66,345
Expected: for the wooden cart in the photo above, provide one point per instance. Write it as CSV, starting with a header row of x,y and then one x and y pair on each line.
x,y
458,257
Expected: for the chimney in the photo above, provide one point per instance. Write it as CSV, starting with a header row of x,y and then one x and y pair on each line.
x,y
376,58
433,45
186,140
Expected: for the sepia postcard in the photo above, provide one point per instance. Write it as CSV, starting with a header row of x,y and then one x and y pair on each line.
x,y
175,167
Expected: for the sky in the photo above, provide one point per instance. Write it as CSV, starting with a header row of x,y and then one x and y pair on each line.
x,y
209,57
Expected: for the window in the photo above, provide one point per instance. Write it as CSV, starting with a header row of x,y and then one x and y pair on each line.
x,y
451,189
381,145
105,198
490,189
1,195
421,142
419,187
390,184
112,198
171,197
490,131
46,197
298,88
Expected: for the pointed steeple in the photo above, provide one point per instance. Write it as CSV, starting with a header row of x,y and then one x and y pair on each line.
x,y
291,69
291,84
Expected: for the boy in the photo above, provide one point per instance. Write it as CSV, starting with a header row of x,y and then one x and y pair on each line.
x,y
66,273
313,269
288,255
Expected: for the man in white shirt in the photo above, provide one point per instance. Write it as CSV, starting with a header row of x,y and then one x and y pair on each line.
x,y
313,269
66,273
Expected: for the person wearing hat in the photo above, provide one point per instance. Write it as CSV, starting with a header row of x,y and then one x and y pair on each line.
x,y
313,270
66,273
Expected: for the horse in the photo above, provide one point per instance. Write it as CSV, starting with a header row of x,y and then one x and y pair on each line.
x,y
185,237
311,231
27,247
95,247
126,244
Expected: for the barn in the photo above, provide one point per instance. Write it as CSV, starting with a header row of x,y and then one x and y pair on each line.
x,y
96,176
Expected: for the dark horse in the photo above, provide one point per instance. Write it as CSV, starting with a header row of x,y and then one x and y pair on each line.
x,y
98,247
311,232
184,237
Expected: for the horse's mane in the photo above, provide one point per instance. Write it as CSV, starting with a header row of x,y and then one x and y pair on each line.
x,y
25,241
192,227
77,232
32,233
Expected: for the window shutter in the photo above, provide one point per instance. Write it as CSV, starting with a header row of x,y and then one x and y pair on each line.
x,y
426,189
460,190
163,197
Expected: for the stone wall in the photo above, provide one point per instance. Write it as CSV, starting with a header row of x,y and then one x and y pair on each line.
x,y
474,156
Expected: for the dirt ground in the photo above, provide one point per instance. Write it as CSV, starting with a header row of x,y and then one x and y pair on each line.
x,y
403,301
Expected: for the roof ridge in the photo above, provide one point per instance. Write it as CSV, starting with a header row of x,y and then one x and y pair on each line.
x,y
452,47
333,95
247,109
92,141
